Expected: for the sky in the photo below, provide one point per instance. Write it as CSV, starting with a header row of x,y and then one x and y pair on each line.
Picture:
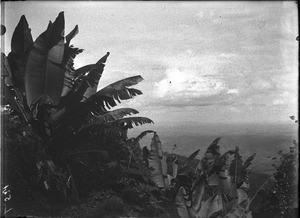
x,y
206,62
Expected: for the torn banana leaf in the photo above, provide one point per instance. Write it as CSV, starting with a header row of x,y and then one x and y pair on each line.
x,y
44,71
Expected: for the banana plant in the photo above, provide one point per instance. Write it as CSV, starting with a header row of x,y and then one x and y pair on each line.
x,y
136,153
219,188
158,163
59,103
43,86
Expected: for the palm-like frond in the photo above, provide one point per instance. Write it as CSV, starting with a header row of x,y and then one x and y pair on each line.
x,y
128,122
117,128
108,117
44,70
111,116
142,135
115,92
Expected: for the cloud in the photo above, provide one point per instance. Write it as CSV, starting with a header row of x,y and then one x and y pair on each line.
x,y
185,83
192,79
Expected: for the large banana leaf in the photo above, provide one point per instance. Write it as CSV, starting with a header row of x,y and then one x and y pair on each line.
x,y
235,168
238,169
68,61
198,193
115,92
10,94
142,135
242,196
164,167
71,35
211,207
146,155
248,162
111,116
89,83
190,158
239,211
116,128
224,173
44,70
213,147
183,204
193,155
21,44
128,122
155,161
225,180
7,85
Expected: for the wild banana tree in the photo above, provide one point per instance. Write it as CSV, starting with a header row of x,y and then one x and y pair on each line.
x,y
61,104
157,160
43,87
219,188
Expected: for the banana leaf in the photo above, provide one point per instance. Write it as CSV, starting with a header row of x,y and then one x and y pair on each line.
x,y
10,94
115,92
235,168
164,166
198,193
183,204
213,148
211,207
193,155
239,212
190,158
248,162
68,61
21,44
242,196
128,122
225,180
71,35
142,135
146,155
174,169
155,162
213,180
44,70
111,116
89,83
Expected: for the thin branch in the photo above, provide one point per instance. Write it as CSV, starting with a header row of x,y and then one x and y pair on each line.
x,y
259,189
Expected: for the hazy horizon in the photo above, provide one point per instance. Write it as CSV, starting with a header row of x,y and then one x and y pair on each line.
x,y
263,139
